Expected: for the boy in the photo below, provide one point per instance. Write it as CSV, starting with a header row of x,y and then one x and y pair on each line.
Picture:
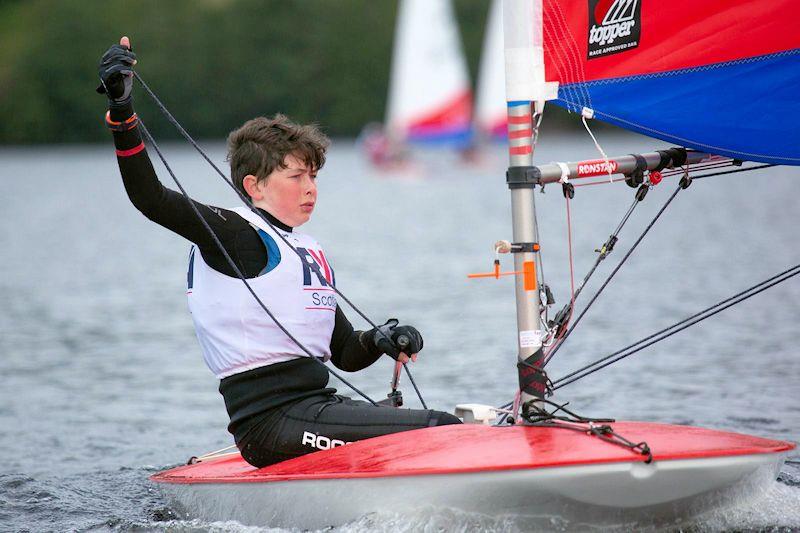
x,y
277,398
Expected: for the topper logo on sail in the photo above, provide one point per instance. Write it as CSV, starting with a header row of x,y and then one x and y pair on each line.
x,y
614,26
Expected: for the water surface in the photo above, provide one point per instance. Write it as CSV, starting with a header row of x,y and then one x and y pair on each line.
x,y
104,383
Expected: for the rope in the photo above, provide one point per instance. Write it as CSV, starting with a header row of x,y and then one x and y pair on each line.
x,y
613,273
677,327
568,316
607,246
539,261
215,454
236,269
573,294
535,415
414,384
590,113
250,205
731,171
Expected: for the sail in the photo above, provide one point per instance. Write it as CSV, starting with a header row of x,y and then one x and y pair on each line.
x,y
430,99
490,105
722,77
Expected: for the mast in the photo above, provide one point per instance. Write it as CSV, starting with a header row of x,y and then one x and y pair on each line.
x,y
526,92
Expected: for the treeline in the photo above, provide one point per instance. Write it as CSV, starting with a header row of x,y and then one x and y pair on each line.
x,y
214,63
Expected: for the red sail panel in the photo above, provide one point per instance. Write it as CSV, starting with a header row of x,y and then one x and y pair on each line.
x,y
673,35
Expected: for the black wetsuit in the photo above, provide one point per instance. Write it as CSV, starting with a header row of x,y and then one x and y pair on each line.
x,y
285,409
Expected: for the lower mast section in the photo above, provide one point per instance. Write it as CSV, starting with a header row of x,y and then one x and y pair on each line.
x,y
522,180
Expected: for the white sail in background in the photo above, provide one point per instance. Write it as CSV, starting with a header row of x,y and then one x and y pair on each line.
x,y
429,92
490,107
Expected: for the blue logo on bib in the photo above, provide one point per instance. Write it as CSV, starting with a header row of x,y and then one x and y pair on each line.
x,y
315,261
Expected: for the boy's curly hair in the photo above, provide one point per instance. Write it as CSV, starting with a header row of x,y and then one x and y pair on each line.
x,y
262,144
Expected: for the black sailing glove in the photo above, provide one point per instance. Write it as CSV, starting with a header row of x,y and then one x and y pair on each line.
x,y
392,339
116,75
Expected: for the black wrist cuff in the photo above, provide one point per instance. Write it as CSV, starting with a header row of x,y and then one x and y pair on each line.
x,y
120,111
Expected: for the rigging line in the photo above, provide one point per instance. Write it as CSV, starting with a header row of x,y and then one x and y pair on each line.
x,y
235,268
535,414
599,148
600,182
414,384
687,322
723,302
627,216
539,262
697,167
604,254
604,251
732,171
613,273
572,294
571,261
250,205
503,415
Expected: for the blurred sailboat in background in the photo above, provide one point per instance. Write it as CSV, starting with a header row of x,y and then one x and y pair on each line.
x,y
430,98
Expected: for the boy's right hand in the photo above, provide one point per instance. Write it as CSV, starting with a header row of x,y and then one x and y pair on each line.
x,y
401,343
116,72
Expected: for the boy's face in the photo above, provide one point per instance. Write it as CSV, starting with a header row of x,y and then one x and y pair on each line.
x,y
290,193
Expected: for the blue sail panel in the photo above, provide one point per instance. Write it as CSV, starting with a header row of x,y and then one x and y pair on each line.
x,y
746,109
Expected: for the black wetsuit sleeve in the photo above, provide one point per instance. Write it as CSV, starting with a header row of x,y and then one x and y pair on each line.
x,y
348,352
173,211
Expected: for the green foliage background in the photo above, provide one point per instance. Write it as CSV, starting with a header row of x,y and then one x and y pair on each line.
x,y
214,63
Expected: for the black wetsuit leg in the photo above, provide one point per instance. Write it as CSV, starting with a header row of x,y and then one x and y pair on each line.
x,y
326,421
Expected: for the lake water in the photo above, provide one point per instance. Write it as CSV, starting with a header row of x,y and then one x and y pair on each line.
x,y
103,381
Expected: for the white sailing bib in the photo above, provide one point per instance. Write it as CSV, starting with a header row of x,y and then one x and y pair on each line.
x,y
235,333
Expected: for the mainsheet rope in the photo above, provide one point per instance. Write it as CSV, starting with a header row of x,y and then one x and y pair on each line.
x,y
250,205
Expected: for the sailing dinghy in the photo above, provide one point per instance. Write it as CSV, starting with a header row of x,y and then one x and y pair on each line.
x,y
522,471
430,99
721,84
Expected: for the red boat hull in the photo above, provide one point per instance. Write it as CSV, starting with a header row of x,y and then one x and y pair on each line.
x,y
476,448
531,474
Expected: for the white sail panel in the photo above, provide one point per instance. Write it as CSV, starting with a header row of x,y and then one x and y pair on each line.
x,y
490,108
524,52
